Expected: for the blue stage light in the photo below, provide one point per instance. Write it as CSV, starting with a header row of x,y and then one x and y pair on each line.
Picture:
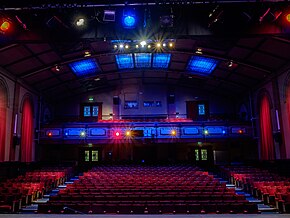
x,y
85,67
161,60
201,65
124,61
129,19
142,60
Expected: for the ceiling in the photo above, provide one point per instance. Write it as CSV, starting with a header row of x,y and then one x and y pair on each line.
x,y
246,56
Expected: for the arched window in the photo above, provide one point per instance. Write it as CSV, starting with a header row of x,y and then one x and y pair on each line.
x,y
27,130
3,109
266,133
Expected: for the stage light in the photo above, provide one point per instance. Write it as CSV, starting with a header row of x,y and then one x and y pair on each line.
x,y
143,43
49,134
85,67
117,134
5,25
149,46
83,134
173,132
170,44
80,22
158,45
164,44
203,65
240,131
205,132
129,19
137,46
128,133
224,132
121,46
126,46
288,18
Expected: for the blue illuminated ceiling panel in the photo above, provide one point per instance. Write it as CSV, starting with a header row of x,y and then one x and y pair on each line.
x,y
124,61
84,68
202,65
142,60
161,60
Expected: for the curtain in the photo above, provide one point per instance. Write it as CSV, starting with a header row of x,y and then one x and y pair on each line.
x,y
3,103
288,102
267,143
27,131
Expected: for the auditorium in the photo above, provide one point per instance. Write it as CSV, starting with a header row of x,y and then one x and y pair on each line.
x,y
145,108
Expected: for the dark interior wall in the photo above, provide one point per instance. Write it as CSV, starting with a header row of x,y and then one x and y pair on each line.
x,y
144,92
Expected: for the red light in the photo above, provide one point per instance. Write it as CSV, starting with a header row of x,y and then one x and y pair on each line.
x,y
49,134
288,17
240,131
5,26
117,134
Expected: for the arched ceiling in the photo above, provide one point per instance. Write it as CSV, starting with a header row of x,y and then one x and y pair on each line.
x,y
31,55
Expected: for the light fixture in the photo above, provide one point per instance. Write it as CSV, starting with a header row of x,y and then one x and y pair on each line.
x,y
128,133
80,22
173,132
143,43
126,46
158,45
170,44
121,46
57,68
164,44
129,18
230,64
109,16
198,51
115,46
288,18
205,132
87,54
5,25
83,134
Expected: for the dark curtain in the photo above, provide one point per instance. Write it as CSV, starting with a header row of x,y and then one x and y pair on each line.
x,y
3,103
27,131
267,142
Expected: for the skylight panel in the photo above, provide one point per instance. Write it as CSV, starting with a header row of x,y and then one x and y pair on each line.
x,y
161,60
142,60
201,65
86,67
124,61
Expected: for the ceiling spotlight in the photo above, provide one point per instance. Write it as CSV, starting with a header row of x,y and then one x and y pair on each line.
x,y
158,45
230,64
115,46
87,54
57,68
137,46
80,22
173,132
5,25
170,44
199,51
121,46
288,17
143,43
126,46
149,46
128,133
164,44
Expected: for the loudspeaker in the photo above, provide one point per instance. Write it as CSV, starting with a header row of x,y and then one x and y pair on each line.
x,y
171,99
116,100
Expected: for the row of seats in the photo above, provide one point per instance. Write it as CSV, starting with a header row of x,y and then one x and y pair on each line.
x,y
271,188
23,190
184,187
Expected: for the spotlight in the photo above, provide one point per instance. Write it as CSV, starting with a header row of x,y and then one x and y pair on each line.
x,y
240,131
5,25
158,45
288,18
80,22
205,132
173,132
121,46
49,134
137,46
126,46
115,46
164,44
128,133
117,134
149,46
83,134
170,44
129,19
143,43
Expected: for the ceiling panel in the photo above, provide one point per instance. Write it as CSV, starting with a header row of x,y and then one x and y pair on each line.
x,y
24,66
266,61
177,66
109,67
239,53
250,42
49,57
38,47
13,54
105,59
276,47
